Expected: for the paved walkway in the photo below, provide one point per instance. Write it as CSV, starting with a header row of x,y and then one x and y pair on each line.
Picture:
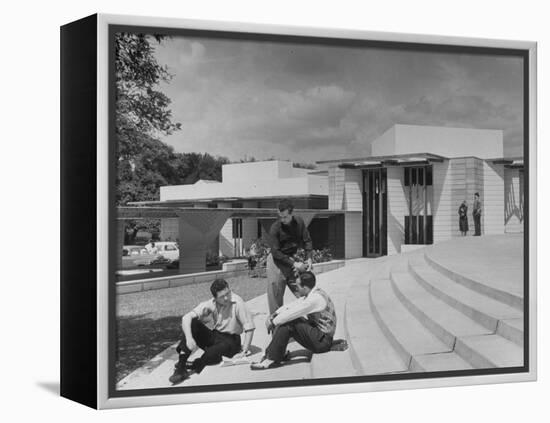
x,y
494,259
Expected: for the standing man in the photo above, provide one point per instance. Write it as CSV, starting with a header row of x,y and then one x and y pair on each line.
x,y
477,214
231,317
287,234
310,320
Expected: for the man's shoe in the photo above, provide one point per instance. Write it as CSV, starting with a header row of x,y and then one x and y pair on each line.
x,y
265,364
179,375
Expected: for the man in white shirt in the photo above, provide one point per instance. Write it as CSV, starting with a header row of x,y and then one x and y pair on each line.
x,y
230,317
310,320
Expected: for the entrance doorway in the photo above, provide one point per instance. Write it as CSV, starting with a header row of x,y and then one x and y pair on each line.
x,y
375,240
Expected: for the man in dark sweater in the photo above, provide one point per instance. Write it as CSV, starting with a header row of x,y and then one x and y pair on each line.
x,y
287,234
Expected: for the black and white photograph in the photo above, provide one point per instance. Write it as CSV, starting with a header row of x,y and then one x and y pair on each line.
x,y
299,210
292,211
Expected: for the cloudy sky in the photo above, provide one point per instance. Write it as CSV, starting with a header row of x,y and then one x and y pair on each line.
x,y
306,102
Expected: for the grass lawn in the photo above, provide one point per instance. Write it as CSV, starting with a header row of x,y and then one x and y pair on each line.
x,y
149,322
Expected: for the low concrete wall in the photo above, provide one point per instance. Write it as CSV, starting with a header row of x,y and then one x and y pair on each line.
x,y
128,287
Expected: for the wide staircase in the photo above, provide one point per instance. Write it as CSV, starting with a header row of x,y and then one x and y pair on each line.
x,y
425,316
457,305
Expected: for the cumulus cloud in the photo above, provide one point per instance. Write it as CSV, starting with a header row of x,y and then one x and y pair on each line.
x,y
307,102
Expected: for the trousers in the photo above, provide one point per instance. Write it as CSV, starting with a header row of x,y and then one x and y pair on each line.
x,y
303,332
477,224
276,284
214,344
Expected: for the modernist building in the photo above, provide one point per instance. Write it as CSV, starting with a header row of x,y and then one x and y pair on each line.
x,y
406,193
410,188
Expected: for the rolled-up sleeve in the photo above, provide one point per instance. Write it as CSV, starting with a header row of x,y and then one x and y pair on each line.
x,y
203,310
244,316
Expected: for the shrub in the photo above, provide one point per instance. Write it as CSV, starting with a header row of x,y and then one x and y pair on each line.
x,y
317,256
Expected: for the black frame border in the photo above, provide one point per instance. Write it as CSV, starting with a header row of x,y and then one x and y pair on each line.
x,y
348,42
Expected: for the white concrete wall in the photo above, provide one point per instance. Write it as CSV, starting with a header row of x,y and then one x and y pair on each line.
x,y
260,171
444,141
466,177
353,185
353,225
226,234
345,189
300,186
226,239
442,207
397,209
335,188
513,197
169,230
493,199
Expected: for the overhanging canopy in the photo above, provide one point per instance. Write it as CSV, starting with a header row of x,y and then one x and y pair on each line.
x,y
125,213
392,160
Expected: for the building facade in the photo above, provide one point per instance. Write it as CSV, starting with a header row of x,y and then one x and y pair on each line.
x,y
405,194
410,188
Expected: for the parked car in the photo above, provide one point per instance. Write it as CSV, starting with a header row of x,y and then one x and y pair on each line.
x,y
133,250
166,253
168,249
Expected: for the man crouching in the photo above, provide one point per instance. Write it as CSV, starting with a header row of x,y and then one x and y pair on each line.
x,y
230,317
314,333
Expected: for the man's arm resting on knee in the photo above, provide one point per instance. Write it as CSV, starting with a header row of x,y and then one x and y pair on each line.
x,y
299,308
248,335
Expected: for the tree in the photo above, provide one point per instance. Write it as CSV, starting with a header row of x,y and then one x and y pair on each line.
x,y
143,162
142,114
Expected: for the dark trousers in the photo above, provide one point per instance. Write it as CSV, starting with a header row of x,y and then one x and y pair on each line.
x,y
277,281
477,224
214,343
307,335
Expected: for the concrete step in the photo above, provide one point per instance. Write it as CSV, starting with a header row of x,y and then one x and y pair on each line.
x,y
439,362
512,299
488,351
335,363
437,316
511,329
482,309
406,334
370,350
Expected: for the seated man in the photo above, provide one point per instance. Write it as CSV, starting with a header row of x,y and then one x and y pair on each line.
x,y
230,316
314,333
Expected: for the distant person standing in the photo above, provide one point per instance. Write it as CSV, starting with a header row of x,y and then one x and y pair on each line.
x,y
463,218
287,234
477,214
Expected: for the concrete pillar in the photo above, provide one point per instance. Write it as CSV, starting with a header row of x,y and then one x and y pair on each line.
x,y
198,229
250,226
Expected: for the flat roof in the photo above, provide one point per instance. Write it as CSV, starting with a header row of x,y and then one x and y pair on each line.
x,y
183,202
124,212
